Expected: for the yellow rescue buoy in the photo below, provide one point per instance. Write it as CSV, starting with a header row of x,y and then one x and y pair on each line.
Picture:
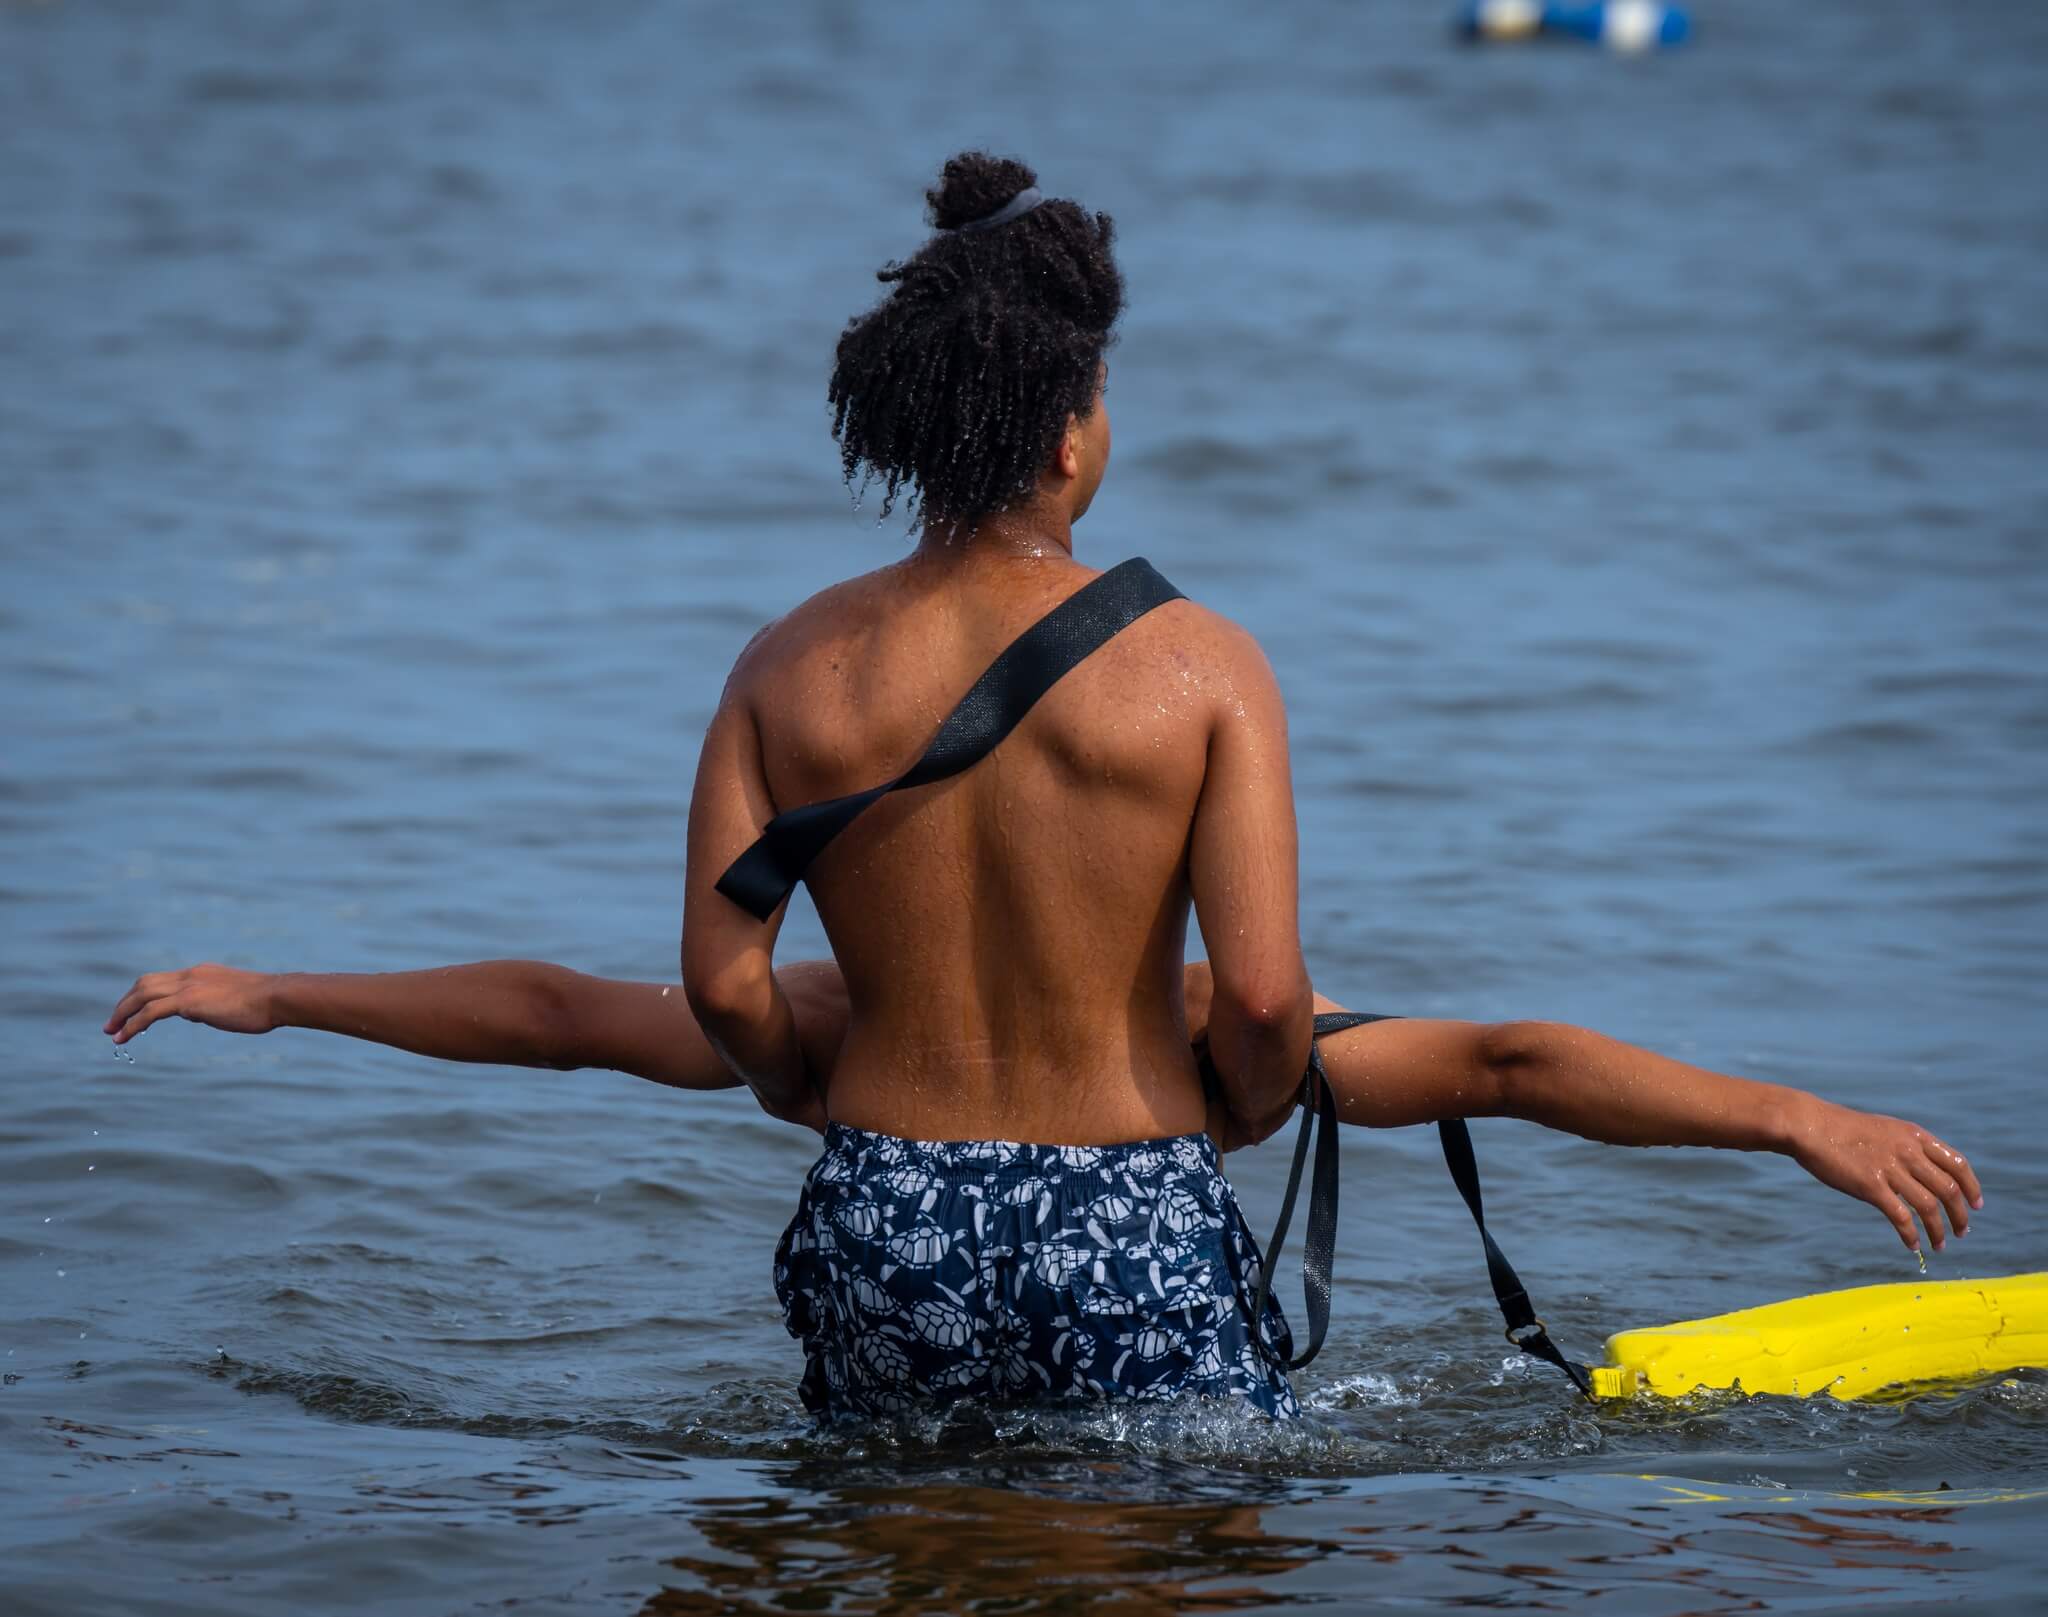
x,y
1848,1343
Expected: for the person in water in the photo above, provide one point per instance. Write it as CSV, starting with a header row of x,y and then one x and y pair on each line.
x,y
531,1013
1397,1074
1016,1198
1019,1195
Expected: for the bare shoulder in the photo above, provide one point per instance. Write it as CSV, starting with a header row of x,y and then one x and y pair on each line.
x,y
1234,645
784,645
1218,656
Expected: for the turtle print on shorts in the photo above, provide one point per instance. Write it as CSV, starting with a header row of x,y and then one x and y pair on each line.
x,y
922,1272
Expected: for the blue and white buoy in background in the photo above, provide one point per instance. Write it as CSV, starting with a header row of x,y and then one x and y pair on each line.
x,y
1620,25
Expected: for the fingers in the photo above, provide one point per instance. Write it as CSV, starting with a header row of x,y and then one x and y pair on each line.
x,y
1923,1201
151,990
142,990
1947,1157
1887,1201
147,1016
1945,1188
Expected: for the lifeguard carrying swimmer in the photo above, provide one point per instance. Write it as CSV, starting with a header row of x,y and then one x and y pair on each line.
x,y
1019,1196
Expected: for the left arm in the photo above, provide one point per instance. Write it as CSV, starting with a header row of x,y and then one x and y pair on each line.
x,y
506,1013
728,957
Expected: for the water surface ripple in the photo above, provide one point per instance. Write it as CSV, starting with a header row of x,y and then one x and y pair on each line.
x,y
1634,468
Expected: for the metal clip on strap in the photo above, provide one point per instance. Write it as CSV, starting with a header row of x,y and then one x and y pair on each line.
x,y
1524,1329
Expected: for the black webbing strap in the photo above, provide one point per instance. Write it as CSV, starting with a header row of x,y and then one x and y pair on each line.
x,y
1319,1243
1525,1330
766,874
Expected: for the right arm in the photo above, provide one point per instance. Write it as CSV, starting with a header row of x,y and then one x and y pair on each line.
x,y
728,954
1243,871
1599,1088
1397,1073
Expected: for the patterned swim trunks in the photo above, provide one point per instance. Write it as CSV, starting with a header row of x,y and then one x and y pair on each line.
x,y
921,1272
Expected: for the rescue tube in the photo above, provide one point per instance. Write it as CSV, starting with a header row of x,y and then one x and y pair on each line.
x,y
1845,1343
1621,25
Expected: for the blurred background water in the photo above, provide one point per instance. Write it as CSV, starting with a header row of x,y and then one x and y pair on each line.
x,y
1638,471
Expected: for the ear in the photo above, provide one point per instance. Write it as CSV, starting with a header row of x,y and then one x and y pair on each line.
x,y
1066,457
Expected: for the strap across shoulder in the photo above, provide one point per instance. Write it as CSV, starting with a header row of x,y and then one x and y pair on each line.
x,y
766,874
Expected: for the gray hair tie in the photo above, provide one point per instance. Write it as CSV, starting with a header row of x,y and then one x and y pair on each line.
x,y
1019,205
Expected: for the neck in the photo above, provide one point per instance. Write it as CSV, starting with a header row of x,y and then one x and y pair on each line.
x,y
1040,528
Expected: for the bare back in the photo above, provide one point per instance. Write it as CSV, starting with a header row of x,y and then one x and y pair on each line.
x,y
1012,939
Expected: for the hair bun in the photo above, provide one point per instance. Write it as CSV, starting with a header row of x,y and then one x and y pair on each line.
x,y
974,185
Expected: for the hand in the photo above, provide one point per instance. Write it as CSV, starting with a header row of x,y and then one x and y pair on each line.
x,y
1198,992
213,996
1233,1132
1221,1127
1227,1128
1896,1166
809,1112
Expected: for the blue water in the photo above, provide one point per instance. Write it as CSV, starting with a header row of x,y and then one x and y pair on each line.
x,y
1637,471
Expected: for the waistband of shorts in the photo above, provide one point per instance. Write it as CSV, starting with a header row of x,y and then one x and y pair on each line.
x,y
1011,1161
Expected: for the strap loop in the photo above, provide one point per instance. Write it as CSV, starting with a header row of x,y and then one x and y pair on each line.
x,y
1524,1329
1319,1245
1318,1101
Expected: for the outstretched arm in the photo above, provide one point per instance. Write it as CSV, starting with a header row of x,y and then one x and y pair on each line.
x,y
517,1013
1386,1075
1392,1074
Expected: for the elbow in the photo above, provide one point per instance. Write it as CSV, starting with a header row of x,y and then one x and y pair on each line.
x,y
1260,1029
528,1015
558,1037
1283,1015
736,993
1272,1005
1510,1057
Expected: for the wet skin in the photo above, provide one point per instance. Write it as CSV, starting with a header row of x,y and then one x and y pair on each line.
x,y
1008,944
1011,939
1386,1075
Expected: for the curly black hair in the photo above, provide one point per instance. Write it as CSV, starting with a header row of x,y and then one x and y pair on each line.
x,y
958,384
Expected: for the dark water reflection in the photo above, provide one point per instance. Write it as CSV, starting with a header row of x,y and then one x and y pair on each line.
x,y
443,1522
1061,1538
1019,1539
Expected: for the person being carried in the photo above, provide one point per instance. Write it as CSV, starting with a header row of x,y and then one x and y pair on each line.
x,y
529,1013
